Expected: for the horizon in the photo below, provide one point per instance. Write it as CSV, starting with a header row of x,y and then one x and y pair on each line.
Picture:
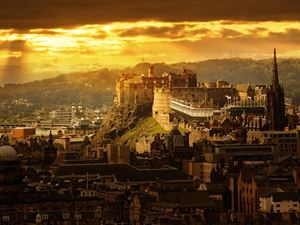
x,y
123,67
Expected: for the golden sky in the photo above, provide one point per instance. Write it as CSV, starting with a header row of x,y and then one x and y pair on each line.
x,y
38,40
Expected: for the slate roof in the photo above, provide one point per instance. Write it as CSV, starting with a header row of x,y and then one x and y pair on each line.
x,y
122,172
285,196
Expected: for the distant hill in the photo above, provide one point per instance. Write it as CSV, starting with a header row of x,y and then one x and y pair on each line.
x,y
98,87
90,88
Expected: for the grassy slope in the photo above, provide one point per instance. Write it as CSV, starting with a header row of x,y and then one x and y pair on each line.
x,y
146,126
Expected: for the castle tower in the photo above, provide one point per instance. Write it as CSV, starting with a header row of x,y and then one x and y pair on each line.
x,y
161,107
275,101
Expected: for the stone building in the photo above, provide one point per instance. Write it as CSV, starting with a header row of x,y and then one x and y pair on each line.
x,y
198,97
138,89
133,89
285,142
280,202
248,201
118,153
245,91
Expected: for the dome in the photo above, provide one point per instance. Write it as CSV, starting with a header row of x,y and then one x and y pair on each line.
x,y
7,153
202,187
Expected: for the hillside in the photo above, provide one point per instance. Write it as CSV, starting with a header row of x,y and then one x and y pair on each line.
x,y
146,126
90,88
98,87
120,121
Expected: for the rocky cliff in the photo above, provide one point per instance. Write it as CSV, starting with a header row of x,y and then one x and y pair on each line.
x,y
119,121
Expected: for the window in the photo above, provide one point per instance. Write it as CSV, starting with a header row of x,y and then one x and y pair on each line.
x,y
5,218
44,216
97,215
77,216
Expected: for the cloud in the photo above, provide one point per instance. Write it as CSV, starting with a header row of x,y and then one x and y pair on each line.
x,y
175,31
62,13
289,36
229,33
14,46
126,43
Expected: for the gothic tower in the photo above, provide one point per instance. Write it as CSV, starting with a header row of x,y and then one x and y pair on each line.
x,y
275,101
49,151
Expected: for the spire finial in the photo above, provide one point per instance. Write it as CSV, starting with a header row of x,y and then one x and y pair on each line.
x,y
50,141
275,81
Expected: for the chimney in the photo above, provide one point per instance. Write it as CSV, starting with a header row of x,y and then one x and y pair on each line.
x,y
151,71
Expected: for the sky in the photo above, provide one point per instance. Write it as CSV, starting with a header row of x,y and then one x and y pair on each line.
x,y
42,38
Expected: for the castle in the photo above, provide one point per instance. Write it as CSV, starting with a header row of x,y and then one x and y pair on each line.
x,y
170,90
135,89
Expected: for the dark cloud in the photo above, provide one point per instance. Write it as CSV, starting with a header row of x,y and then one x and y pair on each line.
x,y
14,46
43,31
291,36
228,33
243,45
175,31
21,14
258,30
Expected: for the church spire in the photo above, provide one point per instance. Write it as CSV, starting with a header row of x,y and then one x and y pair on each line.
x,y
275,101
275,80
50,141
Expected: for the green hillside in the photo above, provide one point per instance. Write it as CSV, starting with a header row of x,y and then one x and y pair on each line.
x,y
146,126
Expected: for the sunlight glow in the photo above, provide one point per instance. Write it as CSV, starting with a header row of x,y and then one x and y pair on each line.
x,y
123,43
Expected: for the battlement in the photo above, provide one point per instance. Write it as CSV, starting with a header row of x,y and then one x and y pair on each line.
x,y
138,89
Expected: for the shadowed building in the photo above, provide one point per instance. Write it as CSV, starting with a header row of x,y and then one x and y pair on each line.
x,y
275,101
10,179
